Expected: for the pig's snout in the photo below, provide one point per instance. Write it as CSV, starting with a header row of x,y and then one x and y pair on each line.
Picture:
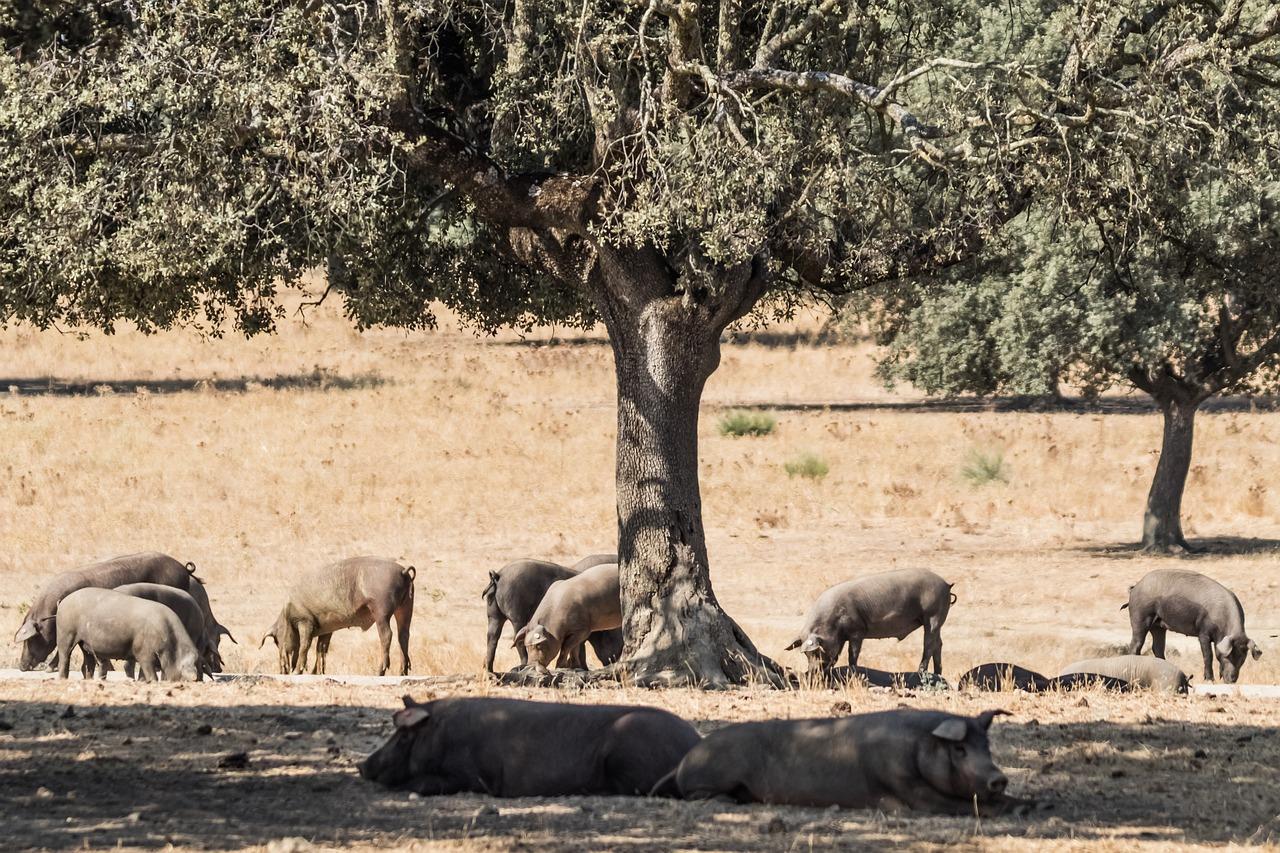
x,y
996,783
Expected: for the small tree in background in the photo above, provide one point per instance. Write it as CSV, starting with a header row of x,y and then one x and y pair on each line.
x,y
1185,319
665,167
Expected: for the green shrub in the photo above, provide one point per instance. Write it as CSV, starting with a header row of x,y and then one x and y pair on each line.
x,y
808,465
747,423
983,468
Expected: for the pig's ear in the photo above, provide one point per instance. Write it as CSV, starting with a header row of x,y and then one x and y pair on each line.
x,y
985,718
26,632
952,729
795,644
537,637
811,644
1254,650
409,717
1224,646
518,639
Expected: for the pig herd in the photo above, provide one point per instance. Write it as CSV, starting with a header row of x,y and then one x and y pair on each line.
x,y
150,612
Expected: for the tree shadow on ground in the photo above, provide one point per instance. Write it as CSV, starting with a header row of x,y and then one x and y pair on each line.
x,y
316,380
146,776
1206,547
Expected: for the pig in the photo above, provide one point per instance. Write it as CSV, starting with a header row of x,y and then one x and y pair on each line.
x,y
215,629
515,591
38,632
354,593
187,611
1137,670
1192,604
109,625
888,604
895,761
517,748
571,611
1001,676
879,678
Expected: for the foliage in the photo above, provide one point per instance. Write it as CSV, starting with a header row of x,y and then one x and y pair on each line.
x,y
742,423
982,468
808,465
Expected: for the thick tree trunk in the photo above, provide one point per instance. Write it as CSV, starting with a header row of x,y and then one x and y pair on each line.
x,y
1162,523
676,632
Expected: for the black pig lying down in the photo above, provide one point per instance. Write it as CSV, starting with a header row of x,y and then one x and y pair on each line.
x,y
904,760
514,748
1002,676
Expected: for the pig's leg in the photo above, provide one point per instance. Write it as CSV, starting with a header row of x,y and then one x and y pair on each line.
x,y
87,662
66,642
855,649
384,635
1206,650
404,618
148,665
1139,625
130,670
305,632
322,654
1157,641
496,621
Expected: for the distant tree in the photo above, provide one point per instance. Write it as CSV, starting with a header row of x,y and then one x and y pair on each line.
x,y
1183,320
665,167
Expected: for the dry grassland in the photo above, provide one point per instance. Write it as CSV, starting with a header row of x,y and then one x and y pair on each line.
x,y
258,459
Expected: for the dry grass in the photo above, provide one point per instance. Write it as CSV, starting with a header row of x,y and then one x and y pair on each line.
x,y
458,455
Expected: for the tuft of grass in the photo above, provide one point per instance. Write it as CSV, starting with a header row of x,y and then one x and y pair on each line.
x,y
808,465
741,423
983,468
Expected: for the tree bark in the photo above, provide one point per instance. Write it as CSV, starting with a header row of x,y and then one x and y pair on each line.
x,y
665,347
1162,523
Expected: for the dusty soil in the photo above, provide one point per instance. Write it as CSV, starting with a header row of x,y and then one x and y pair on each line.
x,y
94,765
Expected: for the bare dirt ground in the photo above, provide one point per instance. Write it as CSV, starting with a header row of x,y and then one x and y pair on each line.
x,y
258,459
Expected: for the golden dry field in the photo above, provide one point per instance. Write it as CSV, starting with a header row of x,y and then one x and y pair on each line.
x,y
458,454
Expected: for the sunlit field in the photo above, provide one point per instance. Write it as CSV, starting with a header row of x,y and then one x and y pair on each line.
x,y
456,454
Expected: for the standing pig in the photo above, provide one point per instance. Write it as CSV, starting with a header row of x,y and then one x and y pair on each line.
x,y
888,604
1137,670
38,632
213,627
187,611
109,625
1192,604
515,591
570,612
899,760
515,748
353,593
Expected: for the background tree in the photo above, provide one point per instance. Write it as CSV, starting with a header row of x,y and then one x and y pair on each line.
x,y
1183,320
662,167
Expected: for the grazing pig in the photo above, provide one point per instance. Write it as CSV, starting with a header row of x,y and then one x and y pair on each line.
x,y
1008,676
215,629
38,632
352,593
515,591
891,760
1192,604
515,748
109,625
888,604
187,611
571,611
1137,670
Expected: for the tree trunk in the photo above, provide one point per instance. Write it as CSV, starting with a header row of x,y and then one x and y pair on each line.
x,y
676,633
1162,524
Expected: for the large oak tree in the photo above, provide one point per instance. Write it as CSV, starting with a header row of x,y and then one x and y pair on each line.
x,y
665,167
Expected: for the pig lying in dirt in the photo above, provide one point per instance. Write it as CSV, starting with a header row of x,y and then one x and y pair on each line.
x,y
571,611
1192,604
515,591
38,632
888,604
515,748
1137,670
352,593
879,678
1008,676
109,625
188,613
894,761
